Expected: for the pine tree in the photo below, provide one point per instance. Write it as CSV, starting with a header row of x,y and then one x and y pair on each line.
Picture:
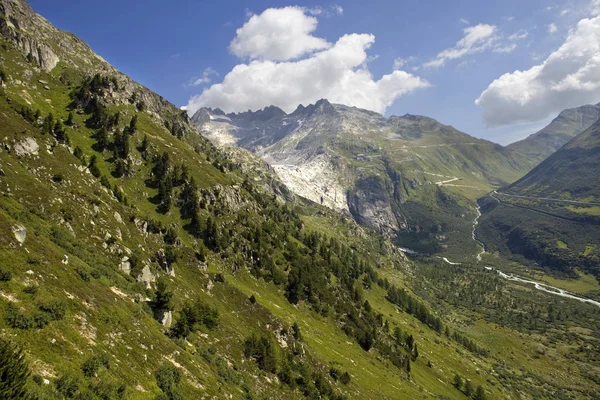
x,y
48,124
468,388
144,146
458,382
479,393
133,125
70,121
13,372
415,353
93,167
102,139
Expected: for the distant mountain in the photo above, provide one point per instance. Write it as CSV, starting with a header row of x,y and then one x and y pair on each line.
x,y
552,214
408,176
568,124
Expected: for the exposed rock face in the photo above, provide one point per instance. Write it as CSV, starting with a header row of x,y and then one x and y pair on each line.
x,y
45,46
165,317
146,276
26,147
17,25
125,265
20,233
370,205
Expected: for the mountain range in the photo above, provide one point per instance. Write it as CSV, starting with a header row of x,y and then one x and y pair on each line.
x,y
408,177
139,260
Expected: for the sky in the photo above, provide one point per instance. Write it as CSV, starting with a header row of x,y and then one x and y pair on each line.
x,y
498,70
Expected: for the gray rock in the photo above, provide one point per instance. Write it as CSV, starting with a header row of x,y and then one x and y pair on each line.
x,y
26,147
146,276
125,265
20,233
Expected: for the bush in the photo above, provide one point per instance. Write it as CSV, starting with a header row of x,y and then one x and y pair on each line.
x,y
14,372
67,385
31,290
192,317
57,178
17,320
56,310
5,275
167,378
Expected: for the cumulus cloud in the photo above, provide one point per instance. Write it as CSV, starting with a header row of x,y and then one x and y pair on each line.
x,y
568,77
552,28
475,39
277,34
339,73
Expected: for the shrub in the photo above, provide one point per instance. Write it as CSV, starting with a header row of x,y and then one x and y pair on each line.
x,y
57,178
17,320
67,385
56,310
167,378
5,275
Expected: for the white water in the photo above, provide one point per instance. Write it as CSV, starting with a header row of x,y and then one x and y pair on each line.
x,y
543,287
475,223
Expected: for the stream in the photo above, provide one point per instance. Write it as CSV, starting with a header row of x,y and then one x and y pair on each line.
x,y
538,285
543,287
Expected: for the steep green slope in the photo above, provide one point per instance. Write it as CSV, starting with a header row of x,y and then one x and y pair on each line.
x,y
139,261
551,215
568,124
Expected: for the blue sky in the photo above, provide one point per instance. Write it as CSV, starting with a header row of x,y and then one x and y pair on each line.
x,y
168,46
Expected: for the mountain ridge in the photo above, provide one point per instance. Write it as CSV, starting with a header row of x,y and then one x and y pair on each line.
x,y
568,124
383,171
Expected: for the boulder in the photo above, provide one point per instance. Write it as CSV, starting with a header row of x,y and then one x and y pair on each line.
x,y
20,233
27,146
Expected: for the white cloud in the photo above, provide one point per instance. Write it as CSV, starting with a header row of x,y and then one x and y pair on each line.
x,y
318,10
565,12
277,34
509,48
464,21
475,39
568,77
331,11
399,63
552,28
520,35
205,78
338,73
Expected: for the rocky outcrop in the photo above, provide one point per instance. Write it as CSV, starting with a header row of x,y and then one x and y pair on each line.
x,y
16,24
370,205
146,276
26,147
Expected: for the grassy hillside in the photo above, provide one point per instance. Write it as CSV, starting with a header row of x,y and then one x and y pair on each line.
x,y
549,216
568,124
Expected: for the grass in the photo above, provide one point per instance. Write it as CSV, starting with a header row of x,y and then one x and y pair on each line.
x,y
591,210
582,285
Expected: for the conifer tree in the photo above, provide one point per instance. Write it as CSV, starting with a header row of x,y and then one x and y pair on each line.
x,y
13,372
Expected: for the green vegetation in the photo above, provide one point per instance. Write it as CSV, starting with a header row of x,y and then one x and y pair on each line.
x,y
168,272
